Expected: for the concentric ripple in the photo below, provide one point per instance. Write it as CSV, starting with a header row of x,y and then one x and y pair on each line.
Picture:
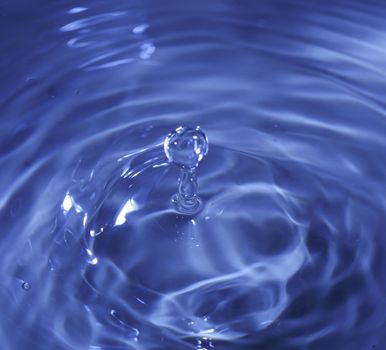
x,y
288,250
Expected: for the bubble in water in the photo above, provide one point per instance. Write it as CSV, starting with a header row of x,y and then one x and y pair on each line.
x,y
26,286
186,147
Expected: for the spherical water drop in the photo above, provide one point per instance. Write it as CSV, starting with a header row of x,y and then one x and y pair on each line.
x,y
186,146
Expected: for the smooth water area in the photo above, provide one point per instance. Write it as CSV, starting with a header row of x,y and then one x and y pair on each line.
x,y
287,250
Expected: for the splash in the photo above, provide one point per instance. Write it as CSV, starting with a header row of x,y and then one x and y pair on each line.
x,y
186,147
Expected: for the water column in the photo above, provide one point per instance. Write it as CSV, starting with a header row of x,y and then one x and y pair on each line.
x,y
186,147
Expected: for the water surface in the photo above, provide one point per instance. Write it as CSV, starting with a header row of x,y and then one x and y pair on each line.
x,y
288,251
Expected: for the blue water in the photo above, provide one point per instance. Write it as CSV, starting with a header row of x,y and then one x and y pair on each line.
x,y
287,252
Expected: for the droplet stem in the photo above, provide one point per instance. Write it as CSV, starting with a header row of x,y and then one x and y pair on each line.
x,y
187,199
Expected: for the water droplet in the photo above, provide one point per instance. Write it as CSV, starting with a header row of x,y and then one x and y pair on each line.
x,y
26,286
186,147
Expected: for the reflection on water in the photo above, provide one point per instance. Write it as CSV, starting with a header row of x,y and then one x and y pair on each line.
x,y
109,39
287,251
